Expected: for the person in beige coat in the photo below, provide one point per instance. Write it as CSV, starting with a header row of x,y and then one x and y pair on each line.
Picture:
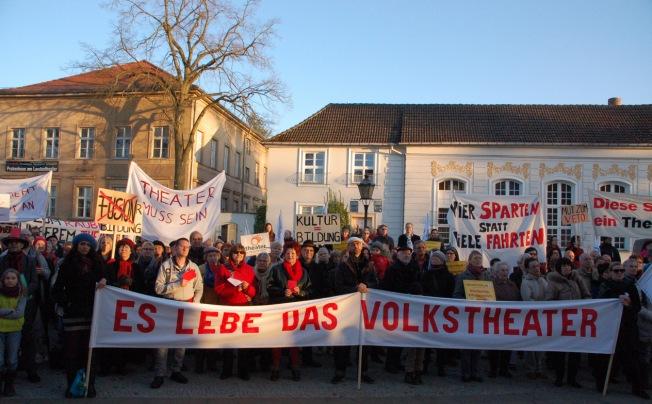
x,y
533,288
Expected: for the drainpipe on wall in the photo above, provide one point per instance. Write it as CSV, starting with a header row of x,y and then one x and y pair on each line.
x,y
393,150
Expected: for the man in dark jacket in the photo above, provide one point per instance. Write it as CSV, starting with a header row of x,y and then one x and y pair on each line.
x,y
353,274
408,235
382,235
196,254
606,248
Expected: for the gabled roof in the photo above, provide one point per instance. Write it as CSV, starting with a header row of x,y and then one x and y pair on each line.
x,y
136,76
473,124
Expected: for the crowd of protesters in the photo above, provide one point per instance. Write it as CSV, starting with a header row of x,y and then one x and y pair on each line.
x,y
47,290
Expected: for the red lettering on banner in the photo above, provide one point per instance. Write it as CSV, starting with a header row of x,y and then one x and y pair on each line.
x,y
229,323
429,318
204,322
332,320
150,321
386,317
589,317
248,321
452,325
548,313
509,321
567,323
369,323
180,329
491,320
121,315
406,319
310,318
531,322
287,326
472,310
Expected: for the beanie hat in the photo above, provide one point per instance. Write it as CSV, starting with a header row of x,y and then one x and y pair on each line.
x,y
439,254
39,238
84,237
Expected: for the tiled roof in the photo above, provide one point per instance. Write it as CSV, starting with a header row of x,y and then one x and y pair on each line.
x,y
473,124
136,76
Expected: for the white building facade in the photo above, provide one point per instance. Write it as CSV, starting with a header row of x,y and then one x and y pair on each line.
x,y
419,155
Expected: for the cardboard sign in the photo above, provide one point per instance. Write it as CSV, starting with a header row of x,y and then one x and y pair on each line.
x,y
479,290
433,245
255,244
321,229
340,247
117,208
573,214
456,267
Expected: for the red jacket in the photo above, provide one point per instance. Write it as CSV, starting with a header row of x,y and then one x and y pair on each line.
x,y
231,295
381,263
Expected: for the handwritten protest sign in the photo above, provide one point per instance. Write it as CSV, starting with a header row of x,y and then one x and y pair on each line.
x,y
29,197
321,229
255,244
456,267
479,290
64,230
117,208
573,214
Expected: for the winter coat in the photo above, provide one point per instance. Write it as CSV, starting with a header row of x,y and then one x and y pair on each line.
x,y
610,250
320,280
516,276
169,279
74,289
628,332
135,283
209,296
278,283
459,292
590,281
563,288
533,288
352,272
381,263
12,313
403,278
229,294
438,282
506,290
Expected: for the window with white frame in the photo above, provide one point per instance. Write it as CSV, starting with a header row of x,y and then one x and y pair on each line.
x,y
508,188
161,149
18,143
558,194
307,209
52,203
227,157
51,143
213,157
123,142
86,143
199,142
616,188
313,167
364,163
84,200
444,199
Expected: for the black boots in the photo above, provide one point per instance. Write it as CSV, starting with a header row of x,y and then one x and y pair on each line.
x,y
9,390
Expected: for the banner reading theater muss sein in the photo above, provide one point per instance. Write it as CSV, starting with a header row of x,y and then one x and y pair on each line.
x,y
498,226
127,319
621,215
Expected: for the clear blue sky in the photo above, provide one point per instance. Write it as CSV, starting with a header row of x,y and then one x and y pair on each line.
x,y
390,51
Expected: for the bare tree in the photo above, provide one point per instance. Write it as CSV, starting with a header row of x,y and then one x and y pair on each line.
x,y
208,42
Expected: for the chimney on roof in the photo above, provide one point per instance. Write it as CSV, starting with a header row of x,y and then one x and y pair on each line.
x,y
614,101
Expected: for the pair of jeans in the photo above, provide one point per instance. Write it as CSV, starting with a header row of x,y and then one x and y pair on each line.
x,y
9,344
161,360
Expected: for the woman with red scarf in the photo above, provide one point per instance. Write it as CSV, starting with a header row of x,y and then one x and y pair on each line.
x,y
234,285
123,273
289,283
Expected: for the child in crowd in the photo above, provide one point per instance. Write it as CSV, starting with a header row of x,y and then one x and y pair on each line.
x,y
12,309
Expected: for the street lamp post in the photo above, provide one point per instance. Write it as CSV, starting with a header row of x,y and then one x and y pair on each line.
x,y
366,189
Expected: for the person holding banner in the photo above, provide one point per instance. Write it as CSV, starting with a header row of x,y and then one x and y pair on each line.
x,y
470,358
290,282
81,270
353,274
627,353
234,286
178,279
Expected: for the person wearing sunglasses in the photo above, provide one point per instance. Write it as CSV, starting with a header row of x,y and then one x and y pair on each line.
x,y
234,286
81,271
627,344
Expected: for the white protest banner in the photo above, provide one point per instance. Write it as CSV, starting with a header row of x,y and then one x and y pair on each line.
x,y
322,229
621,214
170,214
64,230
29,196
573,214
645,282
394,319
498,226
255,244
5,205
131,320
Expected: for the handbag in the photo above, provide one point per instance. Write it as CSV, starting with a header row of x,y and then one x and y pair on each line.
x,y
78,387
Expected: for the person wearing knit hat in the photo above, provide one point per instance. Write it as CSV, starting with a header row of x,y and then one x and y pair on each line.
x,y
125,241
439,254
86,238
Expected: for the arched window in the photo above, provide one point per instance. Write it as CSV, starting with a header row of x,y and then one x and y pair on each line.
x,y
508,188
444,198
558,194
616,188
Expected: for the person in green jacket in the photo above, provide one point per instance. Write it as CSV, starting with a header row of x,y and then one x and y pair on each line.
x,y
13,300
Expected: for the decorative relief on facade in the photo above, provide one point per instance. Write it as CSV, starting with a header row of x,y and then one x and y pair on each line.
x,y
614,170
573,171
522,170
451,167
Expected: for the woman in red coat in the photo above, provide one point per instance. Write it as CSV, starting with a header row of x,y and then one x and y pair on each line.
x,y
234,285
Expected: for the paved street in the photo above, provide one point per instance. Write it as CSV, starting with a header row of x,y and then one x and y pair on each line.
x,y
316,388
